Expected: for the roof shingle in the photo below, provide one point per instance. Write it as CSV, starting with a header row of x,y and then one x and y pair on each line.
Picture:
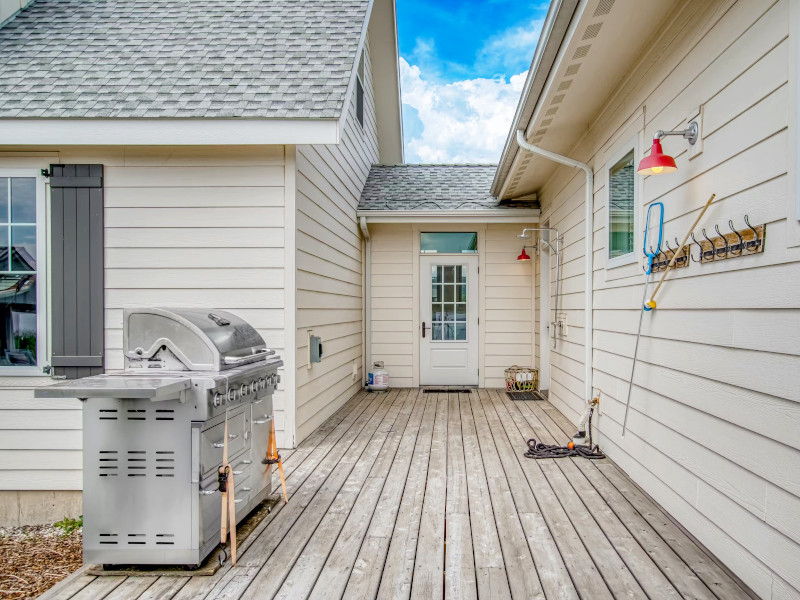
x,y
432,187
179,58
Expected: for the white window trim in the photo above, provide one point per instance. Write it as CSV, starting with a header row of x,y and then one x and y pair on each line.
x,y
42,333
623,149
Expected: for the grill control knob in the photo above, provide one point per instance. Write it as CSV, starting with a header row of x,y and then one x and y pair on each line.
x,y
253,386
231,395
262,383
243,390
217,399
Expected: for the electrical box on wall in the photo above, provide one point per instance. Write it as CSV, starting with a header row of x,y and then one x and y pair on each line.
x,y
314,349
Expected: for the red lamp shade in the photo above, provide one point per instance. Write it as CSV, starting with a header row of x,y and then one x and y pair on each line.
x,y
524,256
658,162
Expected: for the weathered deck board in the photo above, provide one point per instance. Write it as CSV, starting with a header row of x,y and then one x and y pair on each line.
x,y
408,494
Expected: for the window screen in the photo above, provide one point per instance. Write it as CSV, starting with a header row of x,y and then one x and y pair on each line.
x,y
449,243
621,207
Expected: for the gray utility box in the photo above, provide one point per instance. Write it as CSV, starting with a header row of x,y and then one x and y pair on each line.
x,y
153,439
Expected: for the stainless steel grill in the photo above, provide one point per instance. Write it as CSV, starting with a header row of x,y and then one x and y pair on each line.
x,y
153,435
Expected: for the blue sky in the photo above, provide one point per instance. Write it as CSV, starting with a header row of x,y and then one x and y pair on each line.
x,y
462,67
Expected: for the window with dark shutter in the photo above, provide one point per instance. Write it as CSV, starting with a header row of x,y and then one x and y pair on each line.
x,y
360,91
76,270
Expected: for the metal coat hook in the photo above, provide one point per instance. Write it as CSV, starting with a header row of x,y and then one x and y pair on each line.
x,y
724,239
709,253
740,245
756,241
699,245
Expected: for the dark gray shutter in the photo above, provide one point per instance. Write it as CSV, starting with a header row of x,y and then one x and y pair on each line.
x,y
76,267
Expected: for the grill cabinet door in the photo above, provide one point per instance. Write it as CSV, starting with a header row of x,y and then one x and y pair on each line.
x,y
76,197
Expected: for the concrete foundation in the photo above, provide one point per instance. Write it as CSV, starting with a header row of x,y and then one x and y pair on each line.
x,y
38,507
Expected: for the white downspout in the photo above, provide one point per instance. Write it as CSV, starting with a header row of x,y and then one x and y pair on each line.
x,y
367,297
589,232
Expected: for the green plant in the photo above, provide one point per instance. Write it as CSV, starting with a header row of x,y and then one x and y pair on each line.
x,y
68,525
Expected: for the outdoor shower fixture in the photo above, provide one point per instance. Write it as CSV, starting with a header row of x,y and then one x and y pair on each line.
x,y
657,162
555,248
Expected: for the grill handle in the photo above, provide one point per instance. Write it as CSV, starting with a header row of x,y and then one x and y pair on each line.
x,y
208,492
231,436
232,360
262,420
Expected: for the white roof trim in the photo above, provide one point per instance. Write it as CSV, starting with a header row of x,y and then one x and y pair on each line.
x,y
526,215
158,132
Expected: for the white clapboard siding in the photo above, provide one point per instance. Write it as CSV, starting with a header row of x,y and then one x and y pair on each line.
x,y
392,301
712,430
184,226
329,294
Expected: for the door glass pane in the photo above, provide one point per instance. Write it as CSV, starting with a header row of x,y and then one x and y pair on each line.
x,y
23,200
621,207
4,254
449,312
17,320
448,332
449,302
461,312
436,312
449,242
23,242
3,199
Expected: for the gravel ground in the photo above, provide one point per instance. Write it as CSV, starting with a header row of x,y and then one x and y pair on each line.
x,y
33,559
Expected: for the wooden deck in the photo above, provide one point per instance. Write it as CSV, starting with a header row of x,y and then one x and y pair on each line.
x,y
415,495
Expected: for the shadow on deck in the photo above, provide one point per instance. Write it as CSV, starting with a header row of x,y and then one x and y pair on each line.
x,y
406,494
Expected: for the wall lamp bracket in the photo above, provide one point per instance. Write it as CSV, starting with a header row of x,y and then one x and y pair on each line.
x,y
692,133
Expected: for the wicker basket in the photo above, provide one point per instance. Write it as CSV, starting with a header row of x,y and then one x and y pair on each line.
x,y
522,379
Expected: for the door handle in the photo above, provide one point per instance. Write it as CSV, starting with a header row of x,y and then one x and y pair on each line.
x,y
423,329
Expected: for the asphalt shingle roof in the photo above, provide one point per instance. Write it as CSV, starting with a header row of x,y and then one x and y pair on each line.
x,y
432,187
179,58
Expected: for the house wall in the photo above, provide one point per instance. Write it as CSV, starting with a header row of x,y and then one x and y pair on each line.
x,y
713,430
184,226
506,306
330,180
9,7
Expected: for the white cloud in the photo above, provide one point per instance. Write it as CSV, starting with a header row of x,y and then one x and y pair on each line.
x,y
461,122
504,50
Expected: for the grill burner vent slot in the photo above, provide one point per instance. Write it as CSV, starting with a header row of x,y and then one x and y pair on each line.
x,y
163,539
108,538
135,457
163,414
108,414
137,414
107,463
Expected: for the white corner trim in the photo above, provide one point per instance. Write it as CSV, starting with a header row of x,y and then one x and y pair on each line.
x,y
289,289
160,132
530,215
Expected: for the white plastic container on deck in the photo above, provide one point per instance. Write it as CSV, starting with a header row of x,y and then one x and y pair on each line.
x,y
378,378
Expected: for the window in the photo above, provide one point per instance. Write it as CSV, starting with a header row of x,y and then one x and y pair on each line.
x,y
449,302
360,91
448,243
22,316
621,210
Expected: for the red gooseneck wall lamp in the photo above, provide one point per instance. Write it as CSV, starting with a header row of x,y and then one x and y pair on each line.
x,y
657,163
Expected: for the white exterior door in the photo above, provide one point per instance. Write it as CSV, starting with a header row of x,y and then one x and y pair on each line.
x,y
449,320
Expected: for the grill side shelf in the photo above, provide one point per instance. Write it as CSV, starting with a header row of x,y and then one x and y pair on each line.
x,y
155,389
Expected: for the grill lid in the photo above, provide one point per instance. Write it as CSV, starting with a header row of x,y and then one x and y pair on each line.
x,y
189,339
